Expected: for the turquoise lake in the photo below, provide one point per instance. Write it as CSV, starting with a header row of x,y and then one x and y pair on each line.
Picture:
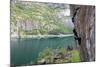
x,y
26,50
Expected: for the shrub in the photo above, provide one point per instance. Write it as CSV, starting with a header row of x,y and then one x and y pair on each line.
x,y
61,55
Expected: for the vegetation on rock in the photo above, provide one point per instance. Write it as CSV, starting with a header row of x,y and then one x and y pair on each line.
x,y
28,18
60,55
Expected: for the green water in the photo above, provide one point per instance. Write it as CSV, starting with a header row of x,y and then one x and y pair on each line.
x,y
25,50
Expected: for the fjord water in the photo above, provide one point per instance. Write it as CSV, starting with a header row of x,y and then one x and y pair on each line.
x,y
26,50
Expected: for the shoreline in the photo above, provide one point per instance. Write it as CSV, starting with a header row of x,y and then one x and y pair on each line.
x,y
42,36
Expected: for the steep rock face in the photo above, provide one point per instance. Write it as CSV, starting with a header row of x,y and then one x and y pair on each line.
x,y
84,22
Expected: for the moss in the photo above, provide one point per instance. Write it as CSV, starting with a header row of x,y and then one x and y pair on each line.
x,y
75,56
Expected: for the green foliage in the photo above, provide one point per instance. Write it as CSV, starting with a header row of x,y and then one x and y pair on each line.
x,y
39,14
60,55
63,51
47,52
75,56
46,55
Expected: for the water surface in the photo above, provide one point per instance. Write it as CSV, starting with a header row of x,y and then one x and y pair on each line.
x,y
25,50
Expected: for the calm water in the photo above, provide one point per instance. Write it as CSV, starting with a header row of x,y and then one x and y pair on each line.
x,y
25,50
